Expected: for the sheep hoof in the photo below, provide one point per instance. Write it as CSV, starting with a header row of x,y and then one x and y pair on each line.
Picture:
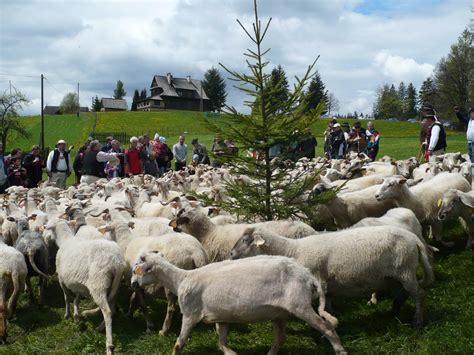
x,y
162,332
110,350
67,316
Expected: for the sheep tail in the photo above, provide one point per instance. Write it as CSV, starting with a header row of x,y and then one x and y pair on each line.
x,y
117,278
428,279
31,257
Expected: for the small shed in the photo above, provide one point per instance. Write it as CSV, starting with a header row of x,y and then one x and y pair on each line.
x,y
109,104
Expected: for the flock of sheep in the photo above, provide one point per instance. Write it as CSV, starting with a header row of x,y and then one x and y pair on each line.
x,y
148,234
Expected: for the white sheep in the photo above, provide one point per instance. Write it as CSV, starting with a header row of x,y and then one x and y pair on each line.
x,y
455,203
88,267
250,290
423,198
351,262
218,240
13,273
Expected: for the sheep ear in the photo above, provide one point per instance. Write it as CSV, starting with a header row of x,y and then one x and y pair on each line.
x,y
138,270
467,200
102,229
173,223
402,181
32,217
194,204
131,225
258,240
11,219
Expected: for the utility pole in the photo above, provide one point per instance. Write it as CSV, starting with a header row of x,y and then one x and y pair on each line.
x,y
10,82
200,100
78,102
42,115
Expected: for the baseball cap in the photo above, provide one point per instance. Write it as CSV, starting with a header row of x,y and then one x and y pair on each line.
x,y
61,141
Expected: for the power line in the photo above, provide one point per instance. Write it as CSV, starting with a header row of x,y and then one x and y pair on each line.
x,y
20,75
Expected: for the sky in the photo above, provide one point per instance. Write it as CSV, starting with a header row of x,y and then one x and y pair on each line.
x,y
362,44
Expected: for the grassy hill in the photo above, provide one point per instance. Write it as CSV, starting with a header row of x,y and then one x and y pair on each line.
x,y
398,139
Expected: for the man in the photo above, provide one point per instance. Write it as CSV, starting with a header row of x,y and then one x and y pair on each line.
x,y
34,164
337,142
108,144
373,143
469,122
435,136
133,164
307,145
358,139
180,151
219,149
148,156
58,165
201,151
93,167
164,157
3,171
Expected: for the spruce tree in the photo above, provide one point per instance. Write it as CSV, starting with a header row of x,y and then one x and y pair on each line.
x,y
271,192
119,92
143,94
411,101
317,92
136,98
280,84
96,105
428,93
214,86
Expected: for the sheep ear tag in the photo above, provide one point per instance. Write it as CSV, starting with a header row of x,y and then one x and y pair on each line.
x,y
138,270
440,201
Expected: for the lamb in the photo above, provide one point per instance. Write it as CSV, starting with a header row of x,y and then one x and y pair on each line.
x,y
218,240
455,203
232,292
88,267
13,272
423,198
352,261
180,249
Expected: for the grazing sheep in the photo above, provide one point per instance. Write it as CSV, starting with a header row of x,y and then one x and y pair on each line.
x,y
455,203
233,292
351,262
423,198
88,267
13,273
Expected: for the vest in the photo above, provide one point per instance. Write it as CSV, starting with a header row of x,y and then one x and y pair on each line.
x,y
91,166
54,163
442,137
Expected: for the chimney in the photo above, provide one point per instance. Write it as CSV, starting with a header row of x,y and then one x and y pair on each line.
x,y
169,77
188,79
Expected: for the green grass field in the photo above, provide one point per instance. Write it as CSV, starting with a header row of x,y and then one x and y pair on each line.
x,y
449,315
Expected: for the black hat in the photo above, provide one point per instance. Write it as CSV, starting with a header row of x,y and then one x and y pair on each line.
x,y
194,141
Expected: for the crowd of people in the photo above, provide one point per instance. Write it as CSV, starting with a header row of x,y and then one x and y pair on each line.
x,y
145,156
342,139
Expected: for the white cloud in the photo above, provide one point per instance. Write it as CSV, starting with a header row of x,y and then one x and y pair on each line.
x,y
398,68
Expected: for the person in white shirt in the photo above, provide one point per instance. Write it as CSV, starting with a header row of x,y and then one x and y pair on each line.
x,y
435,137
58,165
469,122
180,151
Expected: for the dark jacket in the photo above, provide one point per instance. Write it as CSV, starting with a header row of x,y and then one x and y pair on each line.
x,y
34,169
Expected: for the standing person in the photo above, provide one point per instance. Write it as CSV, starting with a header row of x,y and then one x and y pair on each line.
x,y
373,141
113,169
15,153
180,151
94,159
358,139
469,122
337,142
58,165
219,149
108,144
327,138
307,146
79,162
201,151
3,171
16,173
34,164
346,128
165,157
435,136
148,157
133,164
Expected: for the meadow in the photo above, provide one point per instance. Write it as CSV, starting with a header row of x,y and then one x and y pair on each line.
x,y
363,329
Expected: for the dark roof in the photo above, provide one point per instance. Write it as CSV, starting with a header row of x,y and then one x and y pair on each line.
x,y
161,81
120,104
55,110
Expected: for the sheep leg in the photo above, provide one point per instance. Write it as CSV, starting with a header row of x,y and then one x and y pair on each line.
x,y
132,305
67,300
42,286
324,327
468,226
171,308
436,230
187,326
29,289
77,313
399,300
373,299
279,336
141,301
102,302
3,318
91,312
17,286
223,331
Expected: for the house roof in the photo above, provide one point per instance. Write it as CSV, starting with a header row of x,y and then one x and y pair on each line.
x,y
120,104
161,81
55,110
